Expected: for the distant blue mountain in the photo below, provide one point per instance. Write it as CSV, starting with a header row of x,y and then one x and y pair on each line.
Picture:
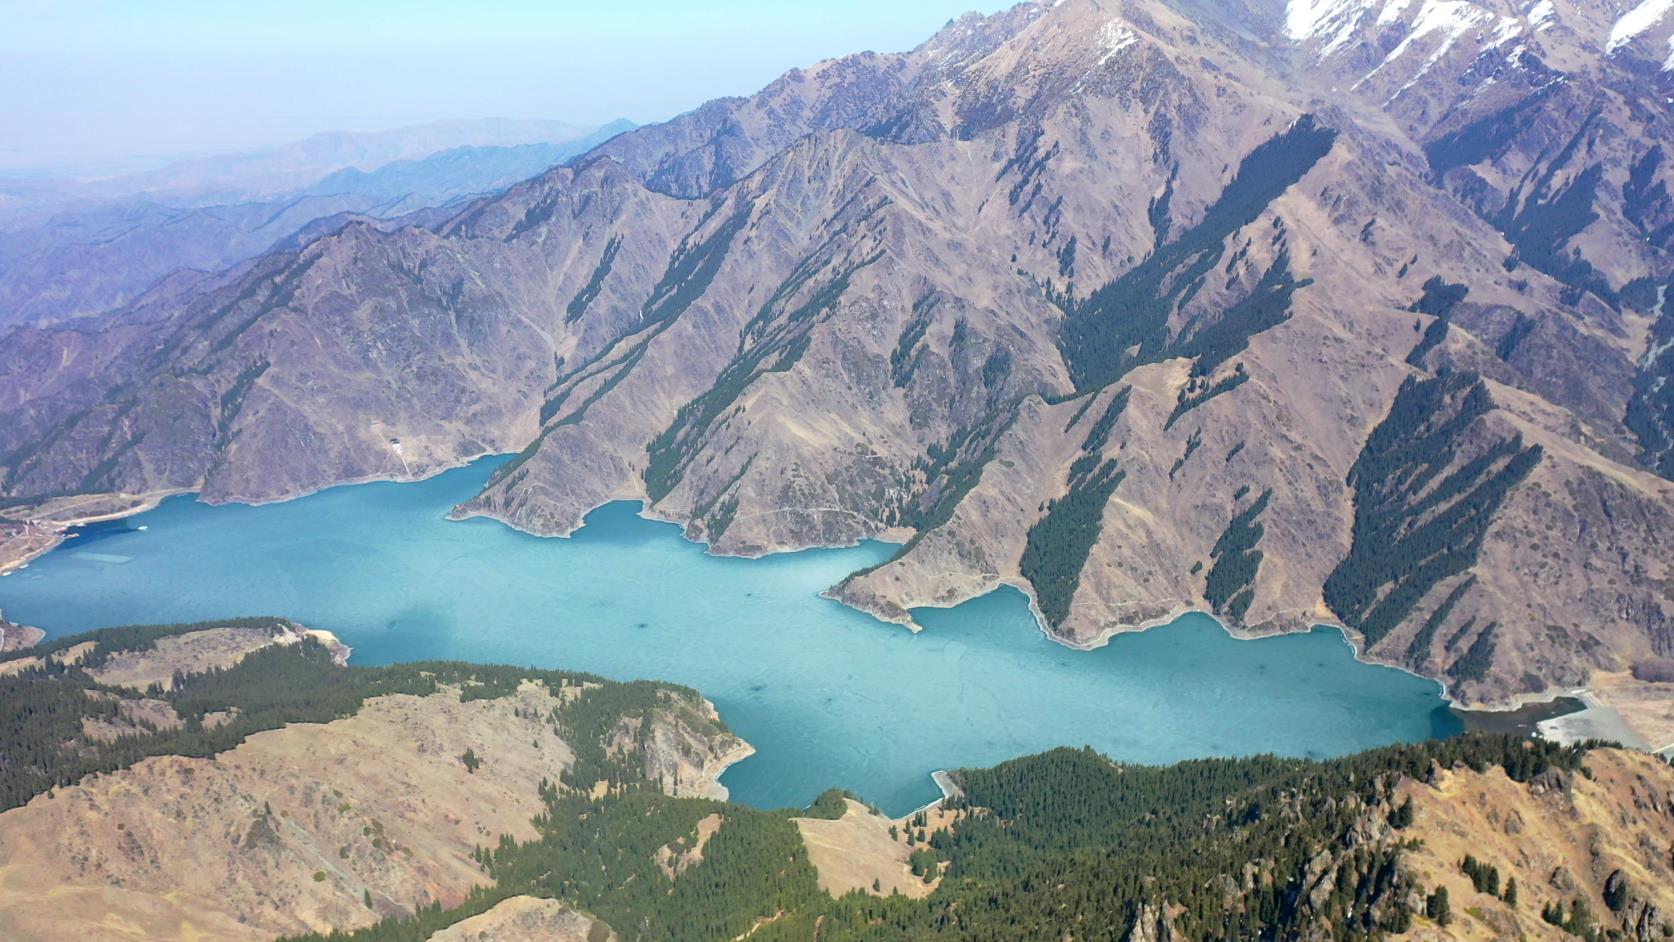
x,y
462,171
90,259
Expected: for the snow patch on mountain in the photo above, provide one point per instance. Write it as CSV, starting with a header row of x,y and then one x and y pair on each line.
x,y
1113,38
1439,25
1327,20
1335,23
1643,17
1391,12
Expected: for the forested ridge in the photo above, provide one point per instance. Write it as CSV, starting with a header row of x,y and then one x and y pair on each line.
x,y
1230,585
1650,412
1058,845
43,744
1058,543
1426,487
1124,324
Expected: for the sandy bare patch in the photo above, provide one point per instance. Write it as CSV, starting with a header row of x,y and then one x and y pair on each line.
x,y
1560,837
133,717
524,919
17,637
687,852
288,832
22,542
1646,707
70,655
18,665
855,852
193,653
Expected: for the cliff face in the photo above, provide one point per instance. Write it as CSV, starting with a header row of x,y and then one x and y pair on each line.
x,y
1345,311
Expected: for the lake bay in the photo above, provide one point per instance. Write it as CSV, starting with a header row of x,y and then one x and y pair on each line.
x,y
828,696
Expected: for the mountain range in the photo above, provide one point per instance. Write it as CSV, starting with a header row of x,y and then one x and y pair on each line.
x,y
87,248
1350,311
277,169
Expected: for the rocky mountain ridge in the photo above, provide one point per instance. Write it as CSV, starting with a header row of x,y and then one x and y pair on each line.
x,y
1139,306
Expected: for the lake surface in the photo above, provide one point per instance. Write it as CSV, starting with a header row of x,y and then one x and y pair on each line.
x,y
829,696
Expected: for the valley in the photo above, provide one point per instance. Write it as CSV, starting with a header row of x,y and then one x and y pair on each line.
x,y
829,697
1147,470
1046,298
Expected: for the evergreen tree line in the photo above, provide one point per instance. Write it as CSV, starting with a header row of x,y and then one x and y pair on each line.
x,y
773,342
1191,396
1229,587
1421,513
950,472
1057,845
1650,412
1439,299
1057,545
1124,324
687,277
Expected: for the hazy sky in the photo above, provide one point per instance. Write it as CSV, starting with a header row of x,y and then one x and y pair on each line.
x,y
84,82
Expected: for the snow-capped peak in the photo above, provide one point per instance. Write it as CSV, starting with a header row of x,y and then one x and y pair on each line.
x,y
1335,23
1325,19
1637,20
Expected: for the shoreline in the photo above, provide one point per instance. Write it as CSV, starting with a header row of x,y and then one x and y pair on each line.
x,y
1237,633
340,652
949,789
1101,639
718,766
150,500
1596,720
391,478
58,530
18,637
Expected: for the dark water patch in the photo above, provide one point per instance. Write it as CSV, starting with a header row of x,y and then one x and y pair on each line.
x,y
1522,721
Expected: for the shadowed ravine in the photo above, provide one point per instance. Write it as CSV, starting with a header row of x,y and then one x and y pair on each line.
x,y
827,695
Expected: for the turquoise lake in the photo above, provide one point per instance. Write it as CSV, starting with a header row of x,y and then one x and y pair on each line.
x,y
828,696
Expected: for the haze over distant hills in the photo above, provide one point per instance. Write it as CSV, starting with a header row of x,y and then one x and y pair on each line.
x,y
83,247
267,171
1345,311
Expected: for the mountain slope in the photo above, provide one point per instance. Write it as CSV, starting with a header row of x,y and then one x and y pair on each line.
x,y
1116,301
238,802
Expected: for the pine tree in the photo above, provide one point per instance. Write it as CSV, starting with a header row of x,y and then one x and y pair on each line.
x,y
1401,817
1438,907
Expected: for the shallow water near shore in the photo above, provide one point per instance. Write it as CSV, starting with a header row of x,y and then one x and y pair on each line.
x,y
828,696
